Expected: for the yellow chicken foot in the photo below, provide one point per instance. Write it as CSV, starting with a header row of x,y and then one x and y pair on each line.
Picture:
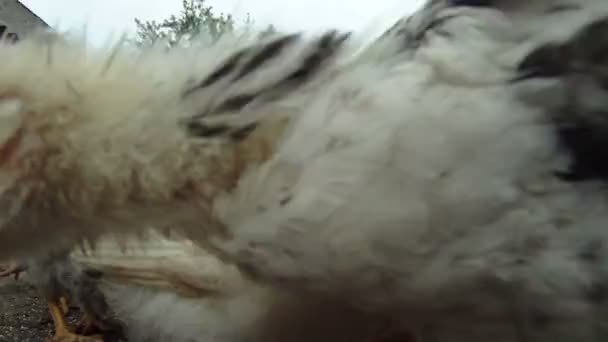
x,y
65,307
62,330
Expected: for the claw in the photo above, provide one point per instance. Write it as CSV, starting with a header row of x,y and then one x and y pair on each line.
x,y
63,303
13,268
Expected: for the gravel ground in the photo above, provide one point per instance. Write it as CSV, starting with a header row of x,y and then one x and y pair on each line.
x,y
24,317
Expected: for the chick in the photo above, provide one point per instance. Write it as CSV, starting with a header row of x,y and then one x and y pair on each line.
x,y
59,280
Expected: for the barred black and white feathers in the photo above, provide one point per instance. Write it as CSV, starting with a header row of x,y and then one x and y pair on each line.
x,y
414,179
68,97
284,65
575,72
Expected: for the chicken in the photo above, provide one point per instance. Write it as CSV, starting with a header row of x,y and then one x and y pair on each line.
x,y
422,179
58,279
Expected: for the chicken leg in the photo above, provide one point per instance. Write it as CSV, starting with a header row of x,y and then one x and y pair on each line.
x,y
58,308
63,303
62,330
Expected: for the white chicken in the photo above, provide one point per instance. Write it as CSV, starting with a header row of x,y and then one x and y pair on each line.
x,y
431,178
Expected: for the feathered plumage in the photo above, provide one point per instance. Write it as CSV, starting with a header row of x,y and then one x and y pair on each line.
x,y
170,290
414,179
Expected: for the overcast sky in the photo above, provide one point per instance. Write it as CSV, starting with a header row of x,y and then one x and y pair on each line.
x,y
106,17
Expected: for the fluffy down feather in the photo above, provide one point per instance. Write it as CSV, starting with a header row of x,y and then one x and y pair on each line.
x,y
411,179
169,290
